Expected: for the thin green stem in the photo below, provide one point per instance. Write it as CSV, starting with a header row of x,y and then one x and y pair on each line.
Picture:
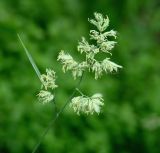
x,y
57,115
80,92
55,109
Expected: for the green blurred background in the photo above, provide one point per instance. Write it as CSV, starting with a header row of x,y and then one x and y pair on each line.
x,y
130,121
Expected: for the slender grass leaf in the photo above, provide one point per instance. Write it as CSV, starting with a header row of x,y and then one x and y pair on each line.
x,y
30,58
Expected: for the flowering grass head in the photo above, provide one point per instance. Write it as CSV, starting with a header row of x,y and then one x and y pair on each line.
x,y
102,45
48,84
87,105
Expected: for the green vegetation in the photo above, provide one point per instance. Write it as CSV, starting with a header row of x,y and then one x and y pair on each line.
x,y
130,119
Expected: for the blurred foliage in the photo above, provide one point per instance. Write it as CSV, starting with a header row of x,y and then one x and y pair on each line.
x,y
130,122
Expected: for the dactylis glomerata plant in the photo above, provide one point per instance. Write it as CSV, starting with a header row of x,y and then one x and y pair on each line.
x,y
101,44
83,103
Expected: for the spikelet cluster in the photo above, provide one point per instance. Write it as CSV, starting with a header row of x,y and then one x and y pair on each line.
x,y
87,105
70,64
48,83
101,44
45,96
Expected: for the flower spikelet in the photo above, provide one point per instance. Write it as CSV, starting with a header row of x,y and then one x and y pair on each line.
x,y
48,83
67,60
100,22
97,69
87,105
109,66
45,96
107,46
84,46
78,70
102,37
48,79
97,102
70,64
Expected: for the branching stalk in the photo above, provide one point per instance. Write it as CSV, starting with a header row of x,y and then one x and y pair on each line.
x,y
57,115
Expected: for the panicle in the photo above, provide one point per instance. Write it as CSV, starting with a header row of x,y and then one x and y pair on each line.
x,y
103,44
45,96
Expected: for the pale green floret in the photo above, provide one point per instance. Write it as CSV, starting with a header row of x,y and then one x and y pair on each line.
x,y
97,101
48,82
102,40
95,35
67,60
78,70
89,50
45,96
109,66
97,69
110,33
48,79
104,66
70,64
98,96
84,46
76,104
87,105
107,46
90,57
101,37
100,22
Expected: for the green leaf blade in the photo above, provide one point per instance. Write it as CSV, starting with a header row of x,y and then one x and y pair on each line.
x,y
30,58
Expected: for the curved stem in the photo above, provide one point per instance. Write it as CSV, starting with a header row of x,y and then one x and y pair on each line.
x,y
80,92
55,109
57,115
